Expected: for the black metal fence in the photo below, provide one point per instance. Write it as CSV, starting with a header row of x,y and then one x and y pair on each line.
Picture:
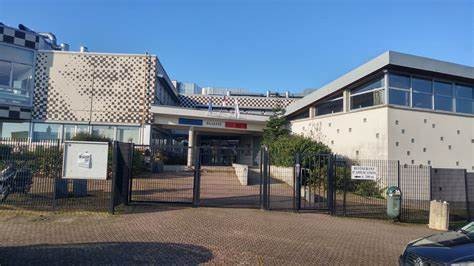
x,y
31,179
419,185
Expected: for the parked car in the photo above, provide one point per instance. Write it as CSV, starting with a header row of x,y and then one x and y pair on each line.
x,y
449,248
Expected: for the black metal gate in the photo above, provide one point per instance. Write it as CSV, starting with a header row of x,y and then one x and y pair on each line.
x,y
161,174
227,177
121,175
230,177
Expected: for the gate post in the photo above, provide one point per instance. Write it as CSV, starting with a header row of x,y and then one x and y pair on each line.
x,y
297,182
330,192
114,177
466,188
197,177
264,180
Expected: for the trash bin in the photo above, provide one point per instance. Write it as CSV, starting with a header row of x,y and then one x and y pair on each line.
x,y
394,200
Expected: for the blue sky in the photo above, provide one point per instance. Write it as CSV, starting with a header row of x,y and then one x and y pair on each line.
x,y
259,45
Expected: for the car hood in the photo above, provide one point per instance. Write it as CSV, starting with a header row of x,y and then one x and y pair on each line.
x,y
445,247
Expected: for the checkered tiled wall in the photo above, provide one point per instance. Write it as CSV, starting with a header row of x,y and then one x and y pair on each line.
x,y
19,37
88,87
244,101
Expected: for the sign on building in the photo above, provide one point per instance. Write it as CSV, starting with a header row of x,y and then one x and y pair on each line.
x,y
359,172
85,160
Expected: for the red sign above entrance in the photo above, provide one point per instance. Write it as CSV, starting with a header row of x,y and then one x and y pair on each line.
x,y
236,125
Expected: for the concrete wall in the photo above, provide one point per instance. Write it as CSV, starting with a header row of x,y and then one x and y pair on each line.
x,y
388,133
429,138
357,135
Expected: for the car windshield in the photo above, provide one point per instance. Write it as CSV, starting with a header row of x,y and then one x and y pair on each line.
x,y
468,229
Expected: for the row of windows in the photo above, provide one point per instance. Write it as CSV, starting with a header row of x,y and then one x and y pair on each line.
x,y
16,81
405,90
430,94
49,131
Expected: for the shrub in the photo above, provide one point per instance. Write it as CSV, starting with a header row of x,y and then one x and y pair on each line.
x,y
83,136
284,149
368,189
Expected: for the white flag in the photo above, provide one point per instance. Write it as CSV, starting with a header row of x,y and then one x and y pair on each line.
x,y
237,110
224,102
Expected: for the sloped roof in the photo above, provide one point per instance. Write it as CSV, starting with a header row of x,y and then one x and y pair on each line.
x,y
383,60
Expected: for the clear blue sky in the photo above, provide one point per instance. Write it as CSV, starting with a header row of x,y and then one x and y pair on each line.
x,y
259,45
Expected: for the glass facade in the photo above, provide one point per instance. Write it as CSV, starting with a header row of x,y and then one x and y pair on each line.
x,y
399,90
443,96
16,81
54,131
369,94
46,131
104,131
431,94
464,99
128,134
422,93
330,106
14,130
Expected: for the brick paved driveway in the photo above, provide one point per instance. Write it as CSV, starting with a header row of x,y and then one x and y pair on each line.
x,y
167,235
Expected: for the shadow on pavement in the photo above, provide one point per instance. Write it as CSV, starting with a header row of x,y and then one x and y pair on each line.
x,y
122,253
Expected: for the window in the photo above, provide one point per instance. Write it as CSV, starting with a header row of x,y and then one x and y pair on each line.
x,y
368,94
128,134
443,96
104,131
5,73
14,130
422,93
302,115
399,89
329,106
464,99
69,131
15,83
44,131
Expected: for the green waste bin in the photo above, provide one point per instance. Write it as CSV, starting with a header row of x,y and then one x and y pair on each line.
x,y
394,201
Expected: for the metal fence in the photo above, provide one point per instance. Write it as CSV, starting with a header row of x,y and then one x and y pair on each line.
x,y
419,185
31,179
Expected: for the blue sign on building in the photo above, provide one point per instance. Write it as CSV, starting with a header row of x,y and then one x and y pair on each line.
x,y
188,121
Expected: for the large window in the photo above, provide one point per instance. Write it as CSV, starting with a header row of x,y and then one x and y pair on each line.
x,y
14,130
69,131
127,134
15,83
399,89
368,94
44,131
104,131
443,96
464,99
329,106
422,93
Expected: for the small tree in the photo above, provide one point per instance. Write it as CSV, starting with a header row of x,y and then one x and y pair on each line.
x,y
275,127
283,145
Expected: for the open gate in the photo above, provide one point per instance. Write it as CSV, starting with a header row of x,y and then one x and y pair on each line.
x,y
232,177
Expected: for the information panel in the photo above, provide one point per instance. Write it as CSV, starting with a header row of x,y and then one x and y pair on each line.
x,y
359,172
85,160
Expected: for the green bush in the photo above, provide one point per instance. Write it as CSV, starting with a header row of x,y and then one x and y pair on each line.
x,y
368,189
83,136
284,149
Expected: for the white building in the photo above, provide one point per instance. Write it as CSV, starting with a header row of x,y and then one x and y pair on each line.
x,y
427,116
